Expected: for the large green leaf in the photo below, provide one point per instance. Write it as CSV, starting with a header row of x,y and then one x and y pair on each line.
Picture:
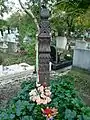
x,y
70,115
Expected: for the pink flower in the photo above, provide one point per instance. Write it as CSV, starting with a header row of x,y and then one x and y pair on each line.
x,y
42,95
47,92
41,100
45,101
41,88
33,92
38,100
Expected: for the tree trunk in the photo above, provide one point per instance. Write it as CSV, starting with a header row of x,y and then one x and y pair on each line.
x,y
30,13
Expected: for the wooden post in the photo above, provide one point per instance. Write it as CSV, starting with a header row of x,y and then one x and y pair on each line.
x,y
44,39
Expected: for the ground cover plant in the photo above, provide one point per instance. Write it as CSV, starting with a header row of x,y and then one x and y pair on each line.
x,y
63,97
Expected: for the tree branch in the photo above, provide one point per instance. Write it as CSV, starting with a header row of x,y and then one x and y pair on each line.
x,y
30,13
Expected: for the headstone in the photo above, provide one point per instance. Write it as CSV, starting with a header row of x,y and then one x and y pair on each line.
x,y
61,42
81,44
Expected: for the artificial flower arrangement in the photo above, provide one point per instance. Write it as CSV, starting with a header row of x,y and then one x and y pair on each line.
x,y
41,95
49,113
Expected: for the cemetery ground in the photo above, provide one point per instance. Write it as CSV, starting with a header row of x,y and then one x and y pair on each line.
x,y
82,83
81,77
64,97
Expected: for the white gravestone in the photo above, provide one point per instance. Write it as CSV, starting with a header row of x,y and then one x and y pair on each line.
x,y
81,44
61,42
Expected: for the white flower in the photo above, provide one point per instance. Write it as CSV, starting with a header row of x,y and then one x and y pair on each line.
x,y
38,85
38,100
34,98
47,92
45,102
48,99
47,88
43,96
41,89
33,92
43,92
30,98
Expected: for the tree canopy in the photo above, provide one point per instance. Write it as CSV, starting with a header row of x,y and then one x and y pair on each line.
x,y
65,12
66,15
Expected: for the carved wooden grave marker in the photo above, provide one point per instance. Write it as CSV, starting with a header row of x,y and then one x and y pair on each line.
x,y
44,39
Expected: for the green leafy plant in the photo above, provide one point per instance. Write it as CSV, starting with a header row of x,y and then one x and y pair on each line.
x,y
64,98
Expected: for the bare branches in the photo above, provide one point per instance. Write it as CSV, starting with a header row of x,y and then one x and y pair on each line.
x,y
30,13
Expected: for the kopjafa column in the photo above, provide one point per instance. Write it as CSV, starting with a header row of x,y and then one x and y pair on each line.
x,y
44,39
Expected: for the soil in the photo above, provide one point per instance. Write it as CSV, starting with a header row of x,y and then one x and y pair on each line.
x,y
7,93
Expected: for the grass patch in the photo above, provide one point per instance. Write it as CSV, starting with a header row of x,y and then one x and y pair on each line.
x,y
9,59
82,82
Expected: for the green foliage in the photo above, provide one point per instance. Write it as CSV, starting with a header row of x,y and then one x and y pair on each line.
x,y
24,23
3,23
30,48
84,3
9,59
64,98
70,114
66,15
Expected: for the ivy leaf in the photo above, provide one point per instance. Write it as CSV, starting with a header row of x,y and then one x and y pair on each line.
x,y
18,107
86,117
30,107
4,116
27,118
12,116
18,111
70,115
31,118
